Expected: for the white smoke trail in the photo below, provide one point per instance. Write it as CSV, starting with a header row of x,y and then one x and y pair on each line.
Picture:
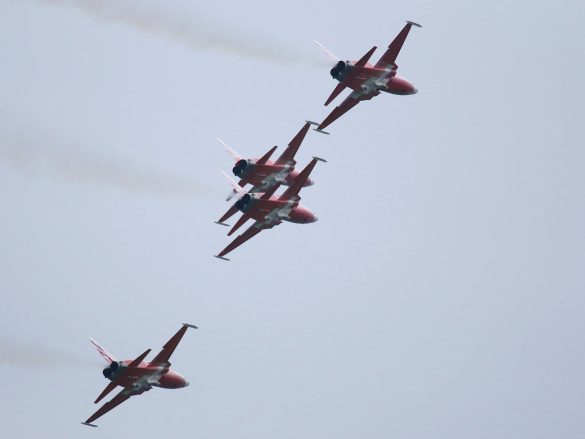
x,y
30,356
82,166
196,35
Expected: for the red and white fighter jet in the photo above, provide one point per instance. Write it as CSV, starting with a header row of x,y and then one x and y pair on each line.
x,y
269,211
264,174
137,376
367,80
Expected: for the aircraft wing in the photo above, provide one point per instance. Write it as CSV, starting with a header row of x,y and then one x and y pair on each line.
x,y
122,396
389,57
351,101
252,231
162,358
293,191
288,156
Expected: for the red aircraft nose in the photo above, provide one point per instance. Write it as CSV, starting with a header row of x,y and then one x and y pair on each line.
x,y
400,86
301,215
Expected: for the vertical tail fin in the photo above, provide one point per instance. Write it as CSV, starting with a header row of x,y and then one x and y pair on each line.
x,y
105,354
236,187
230,150
326,51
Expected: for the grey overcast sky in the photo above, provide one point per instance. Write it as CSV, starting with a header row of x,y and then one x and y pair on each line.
x,y
441,292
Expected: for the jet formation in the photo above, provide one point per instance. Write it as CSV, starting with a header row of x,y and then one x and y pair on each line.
x,y
259,202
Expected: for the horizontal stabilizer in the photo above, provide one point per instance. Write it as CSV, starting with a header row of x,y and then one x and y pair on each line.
x,y
338,89
364,59
111,386
241,221
266,156
231,211
136,362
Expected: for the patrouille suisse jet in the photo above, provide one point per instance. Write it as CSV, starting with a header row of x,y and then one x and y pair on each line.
x,y
269,210
137,376
367,80
264,174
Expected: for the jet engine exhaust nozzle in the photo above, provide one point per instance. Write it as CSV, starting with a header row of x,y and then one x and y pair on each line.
x,y
338,69
110,370
243,202
240,168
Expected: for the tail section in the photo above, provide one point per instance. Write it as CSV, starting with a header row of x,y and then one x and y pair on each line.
x,y
338,89
111,386
230,151
236,187
326,51
227,215
364,59
239,224
105,354
240,190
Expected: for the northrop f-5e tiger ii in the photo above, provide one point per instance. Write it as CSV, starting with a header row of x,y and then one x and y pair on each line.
x,y
269,210
137,376
367,80
264,174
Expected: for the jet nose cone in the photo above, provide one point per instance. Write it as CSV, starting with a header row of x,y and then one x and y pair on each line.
x,y
315,219
186,383
414,90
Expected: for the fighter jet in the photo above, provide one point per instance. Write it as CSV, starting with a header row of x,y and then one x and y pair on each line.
x,y
367,80
137,376
263,174
268,210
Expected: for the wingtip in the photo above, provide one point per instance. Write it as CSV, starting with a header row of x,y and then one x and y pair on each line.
x,y
88,424
319,159
221,257
413,23
189,325
221,224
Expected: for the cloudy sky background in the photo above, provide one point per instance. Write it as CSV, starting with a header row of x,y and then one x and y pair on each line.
x,y
440,294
